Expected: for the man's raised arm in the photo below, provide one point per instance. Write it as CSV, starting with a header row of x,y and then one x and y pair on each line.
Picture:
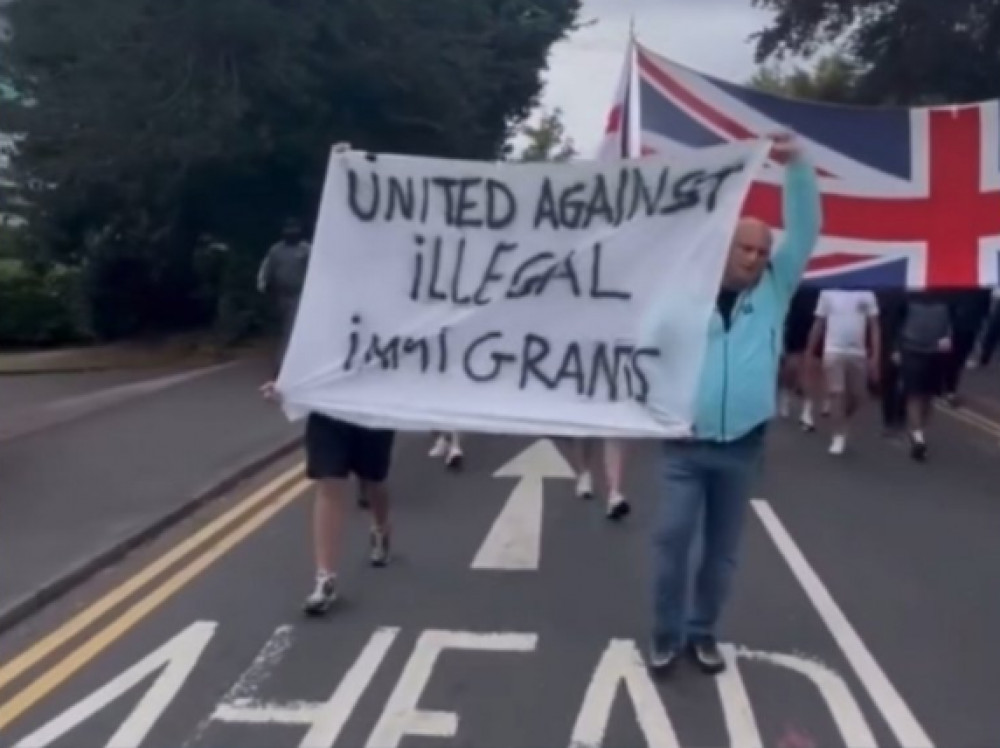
x,y
802,218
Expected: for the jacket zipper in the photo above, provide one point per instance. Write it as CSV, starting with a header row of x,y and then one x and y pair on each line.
x,y
725,386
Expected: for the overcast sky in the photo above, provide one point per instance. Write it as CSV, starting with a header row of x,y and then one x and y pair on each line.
x,y
708,35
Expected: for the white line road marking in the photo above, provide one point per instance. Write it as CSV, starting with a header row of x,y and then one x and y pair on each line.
x,y
514,543
326,720
177,658
741,724
843,708
621,661
887,699
401,717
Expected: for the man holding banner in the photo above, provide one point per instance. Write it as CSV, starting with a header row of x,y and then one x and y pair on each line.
x,y
709,476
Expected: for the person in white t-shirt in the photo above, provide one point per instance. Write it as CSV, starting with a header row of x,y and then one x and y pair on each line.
x,y
847,324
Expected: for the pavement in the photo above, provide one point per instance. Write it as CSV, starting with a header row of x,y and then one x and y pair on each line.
x,y
865,613
92,464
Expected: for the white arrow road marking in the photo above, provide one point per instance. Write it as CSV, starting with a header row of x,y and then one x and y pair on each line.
x,y
514,543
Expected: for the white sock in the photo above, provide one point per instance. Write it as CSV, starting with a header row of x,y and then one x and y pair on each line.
x,y
918,436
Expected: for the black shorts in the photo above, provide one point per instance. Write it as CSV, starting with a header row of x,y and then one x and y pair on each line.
x,y
921,373
336,449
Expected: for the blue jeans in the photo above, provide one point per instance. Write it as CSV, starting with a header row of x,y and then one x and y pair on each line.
x,y
710,482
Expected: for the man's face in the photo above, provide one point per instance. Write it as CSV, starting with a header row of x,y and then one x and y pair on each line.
x,y
292,234
748,254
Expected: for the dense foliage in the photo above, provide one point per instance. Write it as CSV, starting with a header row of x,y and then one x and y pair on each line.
x,y
155,128
908,51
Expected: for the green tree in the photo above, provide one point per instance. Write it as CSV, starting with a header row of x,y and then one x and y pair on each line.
x,y
908,51
158,122
547,140
833,79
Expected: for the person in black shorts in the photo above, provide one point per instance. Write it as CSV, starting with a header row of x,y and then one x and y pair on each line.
x,y
794,382
336,450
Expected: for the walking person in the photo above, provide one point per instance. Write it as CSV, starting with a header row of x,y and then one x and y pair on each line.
x,y
335,451
846,326
991,331
925,340
969,311
891,304
707,478
281,276
448,446
584,457
797,389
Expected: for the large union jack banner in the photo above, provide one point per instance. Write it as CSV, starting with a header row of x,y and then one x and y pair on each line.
x,y
911,197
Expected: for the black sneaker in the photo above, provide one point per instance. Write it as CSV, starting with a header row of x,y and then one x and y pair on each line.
x,y
379,555
918,450
323,596
705,652
663,658
618,507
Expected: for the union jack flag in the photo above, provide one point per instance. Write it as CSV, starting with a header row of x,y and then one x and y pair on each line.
x,y
911,197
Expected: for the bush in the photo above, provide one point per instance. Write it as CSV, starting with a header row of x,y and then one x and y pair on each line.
x,y
39,309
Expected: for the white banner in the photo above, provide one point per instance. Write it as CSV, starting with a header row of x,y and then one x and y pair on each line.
x,y
509,298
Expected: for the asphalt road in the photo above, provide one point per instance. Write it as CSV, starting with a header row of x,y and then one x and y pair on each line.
x,y
91,459
865,613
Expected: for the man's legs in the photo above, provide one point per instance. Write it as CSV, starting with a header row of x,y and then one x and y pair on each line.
x,y
583,464
679,510
836,375
964,342
328,456
893,404
732,472
991,336
371,461
921,376
448,444
614,465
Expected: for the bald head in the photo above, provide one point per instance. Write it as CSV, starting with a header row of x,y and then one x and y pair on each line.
x,y
748,254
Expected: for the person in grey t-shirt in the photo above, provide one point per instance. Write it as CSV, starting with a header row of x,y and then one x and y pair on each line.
x,y
282,275
925,338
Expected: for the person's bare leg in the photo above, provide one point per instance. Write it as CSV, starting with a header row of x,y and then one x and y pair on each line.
x,y
378,498
614,465
327,531
583,459
454,456
328,522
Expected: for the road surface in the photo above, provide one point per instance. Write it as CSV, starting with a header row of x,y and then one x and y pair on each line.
x,y
865,613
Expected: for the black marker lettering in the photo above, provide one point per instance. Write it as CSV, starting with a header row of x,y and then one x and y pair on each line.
x,y
387,354
521,286
497,359
491,275
599,204
536,349
465,205
456,277
501,206
418,344
443,350
571,208
418,269
545,210
447,184
426,200
400,199
643,395
564,270
572,367
596,292
623,179
353,340
353,197
602,365
720,178
686,193
433,292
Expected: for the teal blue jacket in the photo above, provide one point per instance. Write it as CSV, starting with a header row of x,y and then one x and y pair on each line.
x,y
736,387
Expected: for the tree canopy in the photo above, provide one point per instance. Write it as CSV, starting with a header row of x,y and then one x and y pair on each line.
x,y
908,51
157,123
834,80
547,140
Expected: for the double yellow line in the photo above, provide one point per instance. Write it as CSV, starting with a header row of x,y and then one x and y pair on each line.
x,y
211,543
971,418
